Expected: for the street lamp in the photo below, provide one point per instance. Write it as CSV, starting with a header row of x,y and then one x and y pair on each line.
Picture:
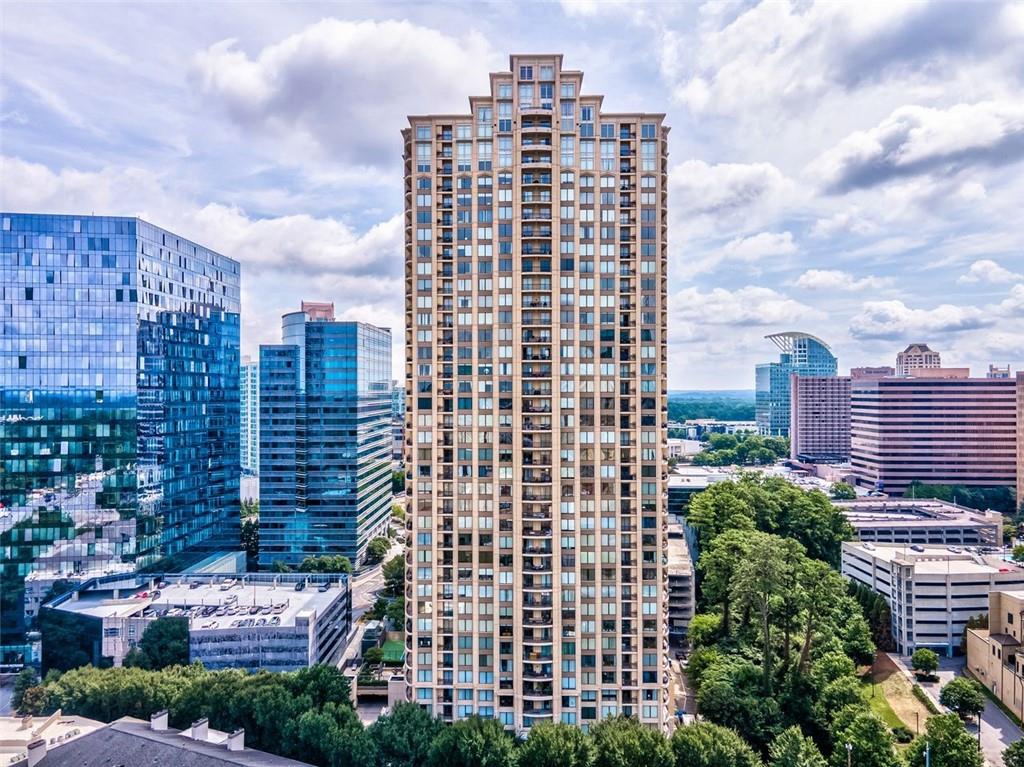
x,y
849,754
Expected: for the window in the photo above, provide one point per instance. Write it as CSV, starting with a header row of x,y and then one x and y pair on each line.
x,y
526,72
423,133
525,96
547,72
568,90
504,90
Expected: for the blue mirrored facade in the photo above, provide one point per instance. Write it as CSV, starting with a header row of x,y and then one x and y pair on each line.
x,y
325,439
119,403
801,354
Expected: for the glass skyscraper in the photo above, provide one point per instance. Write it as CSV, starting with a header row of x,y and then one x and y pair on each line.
x,y
119,413
802,355
325,437
250,426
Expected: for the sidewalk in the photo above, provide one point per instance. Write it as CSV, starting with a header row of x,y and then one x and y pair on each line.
x,y
997,730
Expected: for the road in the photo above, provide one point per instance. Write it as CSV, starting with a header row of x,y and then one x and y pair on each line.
x,y
680,698
366,586
997,730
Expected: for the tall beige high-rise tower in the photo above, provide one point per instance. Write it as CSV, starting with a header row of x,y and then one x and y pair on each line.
x,y
537,404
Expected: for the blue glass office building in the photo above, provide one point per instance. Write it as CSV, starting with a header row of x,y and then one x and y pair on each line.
x,y
325,439
802,354
119,403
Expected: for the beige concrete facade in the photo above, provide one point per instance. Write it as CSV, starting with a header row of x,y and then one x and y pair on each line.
x,y
917,357
932,591
993,654
537,404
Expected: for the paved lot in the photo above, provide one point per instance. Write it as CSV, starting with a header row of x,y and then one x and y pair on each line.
x,y
997,730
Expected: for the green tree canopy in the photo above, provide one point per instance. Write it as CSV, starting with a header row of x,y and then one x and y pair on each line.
x,y
1013,754
963,696
710,745
792,749
472,742
394,575
621,741
27,679
951,744
328,563
924,661
403,737
556,745
164,643
377,548
871,743
842,491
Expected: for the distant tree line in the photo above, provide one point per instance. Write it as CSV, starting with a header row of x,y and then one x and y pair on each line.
x,y
718,409
999,499
742,449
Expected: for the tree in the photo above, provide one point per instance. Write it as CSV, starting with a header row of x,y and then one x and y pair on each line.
x,y
373,656
556,745
704,629
164,643
395,611
1018,553
792,749
842,491
398,482
759,578
718,563
472,742
963,696
251,538
403,737
621,741
26,679
871,744
731,693
710,745
326,564
924,661
377,548
951,744
394,575
398,511
1013,755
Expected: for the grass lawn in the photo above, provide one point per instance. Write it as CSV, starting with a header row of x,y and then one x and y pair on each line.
x,y
879,704
893,698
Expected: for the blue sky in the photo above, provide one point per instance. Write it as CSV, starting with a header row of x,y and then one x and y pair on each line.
x,y
849,170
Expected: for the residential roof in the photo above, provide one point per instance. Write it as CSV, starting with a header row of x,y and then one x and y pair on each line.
x,y
129,742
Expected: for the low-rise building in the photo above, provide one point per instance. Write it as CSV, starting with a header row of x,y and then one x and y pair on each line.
x,y
993,654
679,571
931,590
130,741
254,621
18,733
923,521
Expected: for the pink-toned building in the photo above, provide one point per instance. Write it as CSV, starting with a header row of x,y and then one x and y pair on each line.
x,y
819,419
944,429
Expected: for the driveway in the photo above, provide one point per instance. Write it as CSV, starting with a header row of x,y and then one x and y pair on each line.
x,y
997,730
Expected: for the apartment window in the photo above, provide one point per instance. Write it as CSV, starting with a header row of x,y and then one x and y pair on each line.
x,y
525,95
423,133
526,72
547,72
568,90
504,90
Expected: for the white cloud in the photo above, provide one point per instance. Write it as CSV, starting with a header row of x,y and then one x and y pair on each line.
x,y
747,306
762,245
284,258
895,320
987,270
1013,306
836,279
916,140
724,189
343,88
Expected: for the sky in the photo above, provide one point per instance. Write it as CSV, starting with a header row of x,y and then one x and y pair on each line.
x,y
850,170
